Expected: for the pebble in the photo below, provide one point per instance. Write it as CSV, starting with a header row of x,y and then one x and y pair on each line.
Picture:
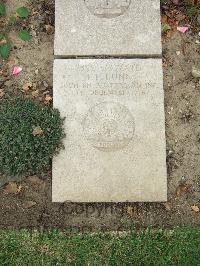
x,y
195,72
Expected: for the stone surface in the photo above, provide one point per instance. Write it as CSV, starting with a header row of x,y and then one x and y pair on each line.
x,y
115,130
107,27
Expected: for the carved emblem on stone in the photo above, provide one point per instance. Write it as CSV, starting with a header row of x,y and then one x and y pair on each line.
x,y
109,126
107,8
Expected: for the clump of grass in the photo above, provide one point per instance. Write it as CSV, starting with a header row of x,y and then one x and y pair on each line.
x,y
30,134
178,246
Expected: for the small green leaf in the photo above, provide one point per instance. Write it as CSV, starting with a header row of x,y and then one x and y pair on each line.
x,y
1,36
165,27
24,35
12,19
5,50
2,9
22,12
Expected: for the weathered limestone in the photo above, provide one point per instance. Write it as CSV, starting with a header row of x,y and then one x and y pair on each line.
x,y
115,130
107,27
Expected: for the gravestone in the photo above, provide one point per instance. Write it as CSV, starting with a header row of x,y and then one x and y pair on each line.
x,y
115,130
114,108
107,27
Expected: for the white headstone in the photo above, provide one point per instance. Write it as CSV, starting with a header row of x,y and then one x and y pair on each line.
x,y
115,130
107,27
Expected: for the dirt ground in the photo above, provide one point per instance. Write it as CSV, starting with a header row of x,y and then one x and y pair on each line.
x,y
32,207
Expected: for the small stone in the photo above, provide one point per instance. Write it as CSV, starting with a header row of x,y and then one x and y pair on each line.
x,y
8,83
178,52
195,72
45,84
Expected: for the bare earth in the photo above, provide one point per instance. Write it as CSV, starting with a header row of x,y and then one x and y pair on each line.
x,y
32,206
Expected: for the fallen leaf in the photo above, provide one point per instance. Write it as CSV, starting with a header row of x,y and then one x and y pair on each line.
x,y
195,208
2,93
16,70
27,86
181,189
3,41
49,29
183,29
35,180
176,2
131,211
37,131
165,27
12,61
28,204
180,17
48,98
12,188
35,93
163,19
167,206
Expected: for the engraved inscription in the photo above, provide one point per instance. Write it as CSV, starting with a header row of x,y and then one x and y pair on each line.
x,y
109,126
107,8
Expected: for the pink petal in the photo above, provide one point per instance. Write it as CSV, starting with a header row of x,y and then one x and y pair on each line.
x,y
182,29
16,70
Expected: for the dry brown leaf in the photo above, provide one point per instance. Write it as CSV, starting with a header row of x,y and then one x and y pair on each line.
x,y
35,93
3,41
27,86
35,180
37,131
163,19
28,204
167,206
49,29
194,2
2,93
131,211
12,62
48,98
182,188
180,17
12,188
195,208
169,33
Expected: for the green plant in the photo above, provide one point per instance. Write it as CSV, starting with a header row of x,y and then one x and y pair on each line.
x,y
192,7
10,23
30,134
191,11
159,247
165,27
